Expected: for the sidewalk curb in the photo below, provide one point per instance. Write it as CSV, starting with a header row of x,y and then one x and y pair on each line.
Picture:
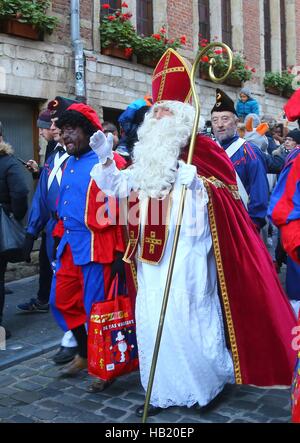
x,y
28,355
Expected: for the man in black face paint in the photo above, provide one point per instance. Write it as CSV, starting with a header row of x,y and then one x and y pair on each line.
x,y
91,248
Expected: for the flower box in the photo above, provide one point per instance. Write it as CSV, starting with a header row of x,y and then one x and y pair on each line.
x,y
233,82
25,30
114,51
279,83
147,61
272,90
287,94
204,75
27,18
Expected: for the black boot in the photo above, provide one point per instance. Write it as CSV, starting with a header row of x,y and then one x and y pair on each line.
x,y
152,410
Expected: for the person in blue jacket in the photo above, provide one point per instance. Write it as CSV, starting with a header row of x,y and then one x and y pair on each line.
x,y
246,104
247,159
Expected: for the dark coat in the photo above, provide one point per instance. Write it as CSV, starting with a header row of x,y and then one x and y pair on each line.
x,y
13,189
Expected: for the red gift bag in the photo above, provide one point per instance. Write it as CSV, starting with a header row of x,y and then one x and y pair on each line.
x,y
112,345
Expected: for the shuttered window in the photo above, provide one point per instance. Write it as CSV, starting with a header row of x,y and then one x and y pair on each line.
x,y
144,17
204,26
267,21
283,33
226,22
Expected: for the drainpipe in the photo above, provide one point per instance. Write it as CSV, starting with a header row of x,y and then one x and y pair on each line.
x,y
80,90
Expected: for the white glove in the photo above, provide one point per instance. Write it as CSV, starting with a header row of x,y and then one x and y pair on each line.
x,y
102,146
187,175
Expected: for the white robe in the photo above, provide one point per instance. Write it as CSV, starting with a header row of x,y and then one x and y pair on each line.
x,y
193,362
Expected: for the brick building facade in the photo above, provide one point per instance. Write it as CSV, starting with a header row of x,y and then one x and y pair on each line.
x,y
32,72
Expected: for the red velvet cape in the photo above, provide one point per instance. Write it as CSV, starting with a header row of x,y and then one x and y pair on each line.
x,y
257,313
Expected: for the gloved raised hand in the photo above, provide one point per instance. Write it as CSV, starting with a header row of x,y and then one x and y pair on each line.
x,y
27,247
102,146
187,175
118,267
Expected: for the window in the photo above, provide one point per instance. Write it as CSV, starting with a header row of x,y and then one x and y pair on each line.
x,y
204,26
226,22
114,4
283,34
144,19
267,20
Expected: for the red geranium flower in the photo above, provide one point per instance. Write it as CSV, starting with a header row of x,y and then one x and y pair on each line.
x,y
205,59
156,36
106,6
127,16
183,39
203,45
253,70
162,31
218,51
111,18
124,5
128,52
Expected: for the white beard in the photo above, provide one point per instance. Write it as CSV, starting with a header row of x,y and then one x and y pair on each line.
x,y
156,154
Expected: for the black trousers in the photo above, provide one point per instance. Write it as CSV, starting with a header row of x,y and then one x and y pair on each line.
x,y
45,277
2,293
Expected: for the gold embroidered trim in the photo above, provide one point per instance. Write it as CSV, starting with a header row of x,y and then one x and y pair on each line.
x,y
233,189
134,274
169,71
164,76
86,222
130,240
223,286
150,262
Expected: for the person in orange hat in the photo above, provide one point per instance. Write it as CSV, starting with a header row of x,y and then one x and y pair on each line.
x,y
226,321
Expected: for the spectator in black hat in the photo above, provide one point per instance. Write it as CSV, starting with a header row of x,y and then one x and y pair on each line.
x,y
247,159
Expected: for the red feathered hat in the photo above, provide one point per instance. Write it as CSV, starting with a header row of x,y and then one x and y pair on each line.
x,y
171,78
292,107
88,112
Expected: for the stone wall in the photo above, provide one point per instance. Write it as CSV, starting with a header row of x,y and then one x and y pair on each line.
x,y
252,47
37,70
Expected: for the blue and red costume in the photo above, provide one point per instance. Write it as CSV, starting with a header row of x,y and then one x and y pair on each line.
x,y
90,240
284,211
251,168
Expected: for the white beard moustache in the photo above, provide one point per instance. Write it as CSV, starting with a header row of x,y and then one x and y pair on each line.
x,y
156,154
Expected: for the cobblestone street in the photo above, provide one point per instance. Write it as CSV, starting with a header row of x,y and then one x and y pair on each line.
x,y
31,390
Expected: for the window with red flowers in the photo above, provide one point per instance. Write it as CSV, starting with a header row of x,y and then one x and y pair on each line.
x,y
204,20
144,12
112,6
